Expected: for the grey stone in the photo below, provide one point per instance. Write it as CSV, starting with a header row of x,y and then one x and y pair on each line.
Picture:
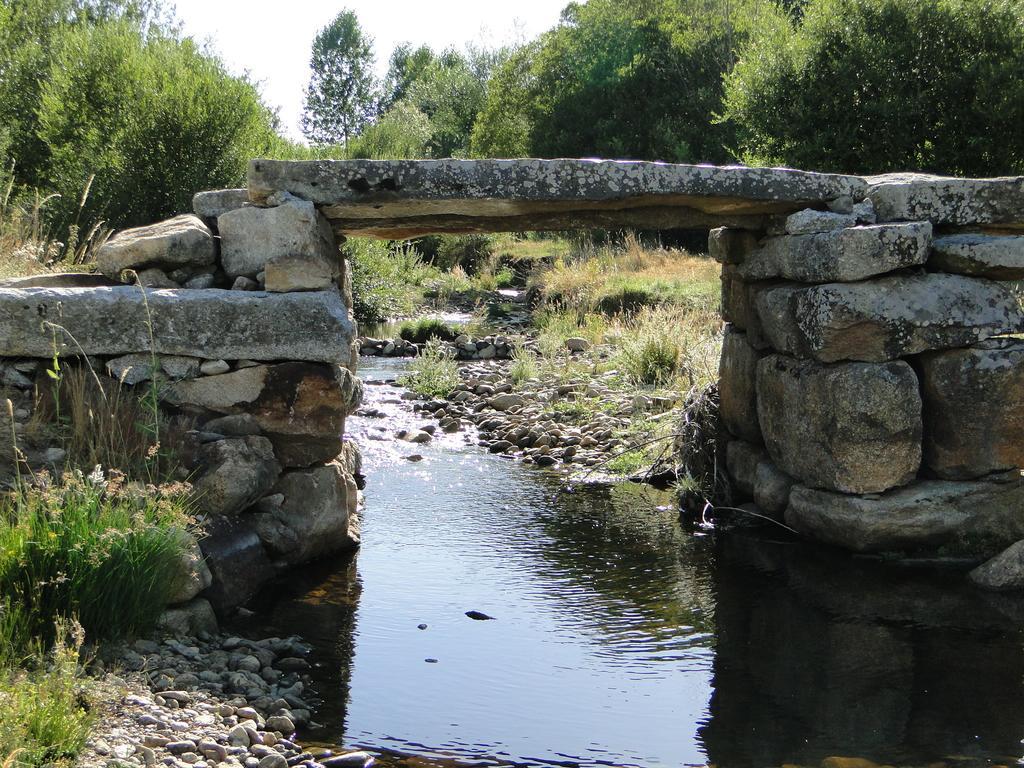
x,y
1000,257
404,198
237,560
8,441
1005,571
969,518
974,409
850,427
215,202
810,220
189,620
886,318
243,283
238,425
737,394
737,299
201,281
577,344
251,237
202,323
60,280
864,212
506,402
731,246
131,369
741,461
944,200
771,489
179,366
840,255
194,575
235,473
314,518
301,407
154,278
178,242
302,272
214,367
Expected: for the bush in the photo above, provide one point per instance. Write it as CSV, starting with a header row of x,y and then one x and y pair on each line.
x,y
387,280
434,373
868,86
89,549
524,365
423,330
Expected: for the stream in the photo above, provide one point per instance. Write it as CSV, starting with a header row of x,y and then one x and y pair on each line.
x,y
619,637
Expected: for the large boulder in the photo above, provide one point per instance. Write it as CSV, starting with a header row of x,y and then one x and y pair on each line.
x,y
975,518
237,560
851,427
301,407
195,617
250,237
974,409
235,472
216,202
1005,571
184,241
193,576
944,200
1000,257
314,517
886,318
301,272
840,255
211,323
737,393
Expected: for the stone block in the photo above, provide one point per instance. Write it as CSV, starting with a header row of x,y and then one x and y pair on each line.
x,y
211,324
237,560
809,220
850,427
184,241
234,473
737,394
188,620
741,460
216,202
301,407
840,255
194,575
251,237
1000,257
887,318
302,272
1005,571
771,489
976,518
731,246
950,201
313,519
974,409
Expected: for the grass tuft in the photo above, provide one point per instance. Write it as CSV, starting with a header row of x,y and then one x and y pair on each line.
x,y
426,328
434,373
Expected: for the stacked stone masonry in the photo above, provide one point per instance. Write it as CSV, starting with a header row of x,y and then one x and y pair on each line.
x,y
240,315
872,381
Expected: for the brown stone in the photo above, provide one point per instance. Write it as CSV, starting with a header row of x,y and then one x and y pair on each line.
x,y
731,246
974,409
851,427
737,394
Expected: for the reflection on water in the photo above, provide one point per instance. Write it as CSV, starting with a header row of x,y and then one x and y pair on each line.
x,y
620,638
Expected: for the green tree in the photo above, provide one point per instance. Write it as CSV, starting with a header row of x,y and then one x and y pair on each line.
x,y
637,79
867,86
341,96
406,65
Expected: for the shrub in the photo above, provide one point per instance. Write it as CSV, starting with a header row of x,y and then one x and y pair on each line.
x,y
423,330
90,549
650,357
867,86
524,365
387,281
466,251
434,373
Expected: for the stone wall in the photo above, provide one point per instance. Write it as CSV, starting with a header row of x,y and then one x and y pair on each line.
x,y
241,316
872,386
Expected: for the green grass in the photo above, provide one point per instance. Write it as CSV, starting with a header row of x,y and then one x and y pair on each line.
x,y
524,366
426,328
434,373
92,550
388,279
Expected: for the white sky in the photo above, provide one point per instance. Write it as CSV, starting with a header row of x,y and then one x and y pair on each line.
x,y
271,39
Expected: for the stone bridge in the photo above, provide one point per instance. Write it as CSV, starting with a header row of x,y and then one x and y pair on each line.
x,y
872,388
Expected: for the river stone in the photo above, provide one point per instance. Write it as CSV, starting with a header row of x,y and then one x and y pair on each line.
x,y
404,198
237,560
850,427
188,620
184,241
886,318
968,518
235,472
840,255
974,409
506,402
810,220
951,201
737,395
302,272
193,577
251,237
731,246
211,324
1000,257
216,202
313,520
1005,571
301,407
